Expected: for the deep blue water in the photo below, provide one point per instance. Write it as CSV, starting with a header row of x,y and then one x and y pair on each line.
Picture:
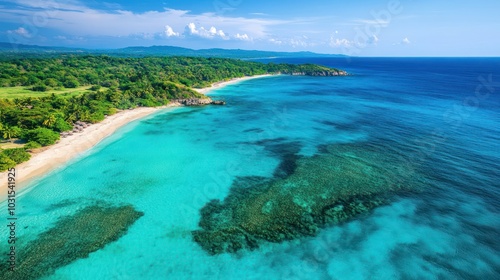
x,y
441,116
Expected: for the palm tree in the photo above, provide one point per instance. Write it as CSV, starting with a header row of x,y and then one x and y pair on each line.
x,y
10,132
50,121
71,118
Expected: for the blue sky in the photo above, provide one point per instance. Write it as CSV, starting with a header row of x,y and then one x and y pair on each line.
x,y
360,28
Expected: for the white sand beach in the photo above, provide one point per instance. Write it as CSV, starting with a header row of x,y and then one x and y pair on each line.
x,y
230,82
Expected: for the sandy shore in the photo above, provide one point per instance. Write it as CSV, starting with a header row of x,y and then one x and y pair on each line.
x,y
70,147
230,82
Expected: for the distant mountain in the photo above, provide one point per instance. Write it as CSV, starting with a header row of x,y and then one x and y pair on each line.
x,y
14,48
8,50
169,51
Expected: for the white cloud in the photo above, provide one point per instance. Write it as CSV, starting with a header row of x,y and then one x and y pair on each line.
x,y
191,29
74,17
21,31
405,41
259,14
379,22
275,41
243,37
356,43
211,33
170,32
298,43
294,42
336,42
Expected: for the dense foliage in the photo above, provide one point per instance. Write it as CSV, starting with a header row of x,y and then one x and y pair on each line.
x,y
113,83
18,155
133,75
11,157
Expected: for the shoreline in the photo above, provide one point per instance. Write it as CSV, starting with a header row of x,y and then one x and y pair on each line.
x,y
47,159
222,84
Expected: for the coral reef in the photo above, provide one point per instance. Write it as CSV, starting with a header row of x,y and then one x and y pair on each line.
x,y
71,238
333,186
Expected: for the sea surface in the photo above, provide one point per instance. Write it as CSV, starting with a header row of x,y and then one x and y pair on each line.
x,y
440,115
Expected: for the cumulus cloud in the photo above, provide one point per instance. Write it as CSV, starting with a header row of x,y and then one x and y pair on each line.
x,y
243,37
276,41
67,18
405,41
294,42
336,42
361,42
169,32
21,31
211,33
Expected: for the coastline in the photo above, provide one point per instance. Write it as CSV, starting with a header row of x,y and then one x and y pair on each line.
x,y
218,85
49,158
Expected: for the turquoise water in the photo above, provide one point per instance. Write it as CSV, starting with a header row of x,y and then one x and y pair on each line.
x,y
170,165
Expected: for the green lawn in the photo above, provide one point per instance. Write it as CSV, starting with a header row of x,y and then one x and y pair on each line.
x,y
20,92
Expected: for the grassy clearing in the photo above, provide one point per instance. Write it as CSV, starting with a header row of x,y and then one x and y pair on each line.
x,y
22,92
7,144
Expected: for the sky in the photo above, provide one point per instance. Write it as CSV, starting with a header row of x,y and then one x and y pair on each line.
x,y
357,28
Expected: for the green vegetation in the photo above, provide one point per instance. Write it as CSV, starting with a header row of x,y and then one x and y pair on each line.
x,y
41,97
31,145
6,162
43,136
27,91
18,155
11,157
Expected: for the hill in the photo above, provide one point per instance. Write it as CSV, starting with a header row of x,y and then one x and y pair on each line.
x,y
8,50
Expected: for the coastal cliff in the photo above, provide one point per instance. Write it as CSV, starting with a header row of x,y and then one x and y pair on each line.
x,y
312,70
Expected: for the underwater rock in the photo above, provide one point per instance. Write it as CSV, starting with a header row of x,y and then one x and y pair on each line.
x,y
71,238
331,187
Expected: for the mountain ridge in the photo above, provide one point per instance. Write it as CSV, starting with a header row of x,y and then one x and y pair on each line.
x,y
13,50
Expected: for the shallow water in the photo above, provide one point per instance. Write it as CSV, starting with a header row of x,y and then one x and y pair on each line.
x,y
427,113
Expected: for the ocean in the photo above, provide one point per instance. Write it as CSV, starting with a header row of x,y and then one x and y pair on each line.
x,y
435,121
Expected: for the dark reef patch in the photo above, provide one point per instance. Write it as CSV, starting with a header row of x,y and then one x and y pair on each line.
x,y
71,238
62,204
266,142
307,193
352,126
257,130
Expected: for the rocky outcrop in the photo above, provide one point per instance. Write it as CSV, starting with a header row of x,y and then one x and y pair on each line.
x,y
218,102
198,102
325,73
